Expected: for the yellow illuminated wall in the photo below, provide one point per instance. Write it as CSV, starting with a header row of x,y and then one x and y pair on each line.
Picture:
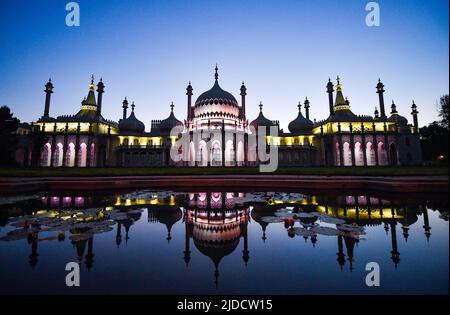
x,y
291,141
332,127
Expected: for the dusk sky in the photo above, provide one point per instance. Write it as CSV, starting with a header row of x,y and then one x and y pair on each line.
x,y
283,50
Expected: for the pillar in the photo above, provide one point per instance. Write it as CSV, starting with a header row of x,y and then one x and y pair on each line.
x,y
363,144
77,146
52,149
352,145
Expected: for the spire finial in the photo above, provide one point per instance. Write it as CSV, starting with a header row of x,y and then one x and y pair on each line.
x,y
92,79
299,107
132,106
101,79
216,75
171,107
338,79
260,106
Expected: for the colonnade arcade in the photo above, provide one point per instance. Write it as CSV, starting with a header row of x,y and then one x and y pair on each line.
x,y
372,151
69,151
217,153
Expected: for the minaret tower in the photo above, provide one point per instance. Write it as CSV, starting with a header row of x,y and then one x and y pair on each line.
x,y
380,91
48,93
306,108
100,90
125,107
330,90
414,113
189,94
243,94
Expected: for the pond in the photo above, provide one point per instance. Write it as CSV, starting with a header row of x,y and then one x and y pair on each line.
x,y
223,242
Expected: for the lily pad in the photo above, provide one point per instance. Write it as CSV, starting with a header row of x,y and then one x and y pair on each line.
x,y
332,220
350,228
304,215
324,230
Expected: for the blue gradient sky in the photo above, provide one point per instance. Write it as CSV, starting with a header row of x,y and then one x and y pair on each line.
x,y
283,50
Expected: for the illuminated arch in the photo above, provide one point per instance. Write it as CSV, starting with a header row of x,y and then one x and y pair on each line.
x,y
70,155
370,154
359,154
46,155
58,155
216,153
229,153
347,154
382,154
191,154
202,153
82,155
240,153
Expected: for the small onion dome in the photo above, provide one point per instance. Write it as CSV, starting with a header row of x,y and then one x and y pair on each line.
x,y
300,125
261,120
170,122
376,113
395,117
131,124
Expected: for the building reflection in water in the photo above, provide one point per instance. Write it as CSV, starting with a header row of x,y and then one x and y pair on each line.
x,y
216,221
216,225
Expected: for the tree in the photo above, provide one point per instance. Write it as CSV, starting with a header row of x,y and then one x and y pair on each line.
x,y
37,139
443,111
434,140
435,136
8,139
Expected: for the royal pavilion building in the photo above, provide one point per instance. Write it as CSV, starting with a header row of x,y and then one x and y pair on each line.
x,y
217,132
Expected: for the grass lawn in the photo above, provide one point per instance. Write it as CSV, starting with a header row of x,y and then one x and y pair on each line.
x,y
328,171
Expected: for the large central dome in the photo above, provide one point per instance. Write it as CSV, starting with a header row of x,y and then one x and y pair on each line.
x,y
216,103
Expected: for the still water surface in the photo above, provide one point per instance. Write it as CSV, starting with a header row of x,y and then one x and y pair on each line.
x,y
164,242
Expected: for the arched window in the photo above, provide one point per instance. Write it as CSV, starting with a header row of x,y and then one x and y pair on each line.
x,y
82,155
359,154
46,155
347,154
229,153
70,155
240,153
58,156
382,154
370,154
